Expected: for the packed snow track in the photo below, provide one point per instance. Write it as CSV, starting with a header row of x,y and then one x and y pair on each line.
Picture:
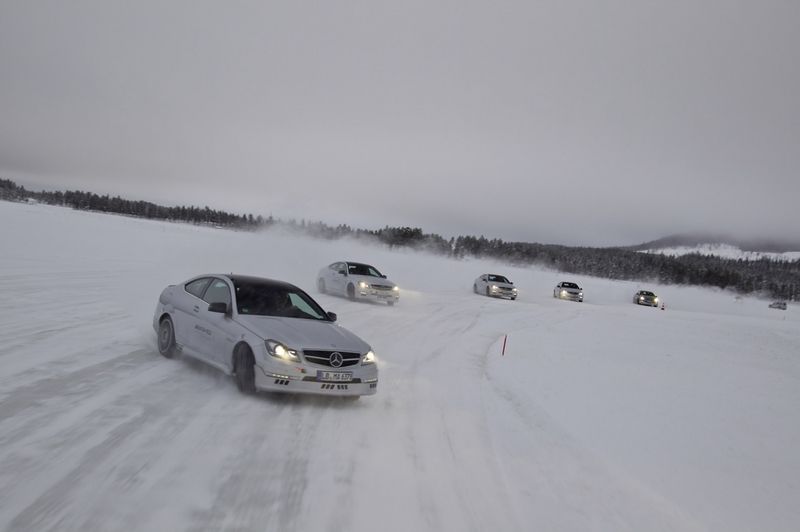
x,y
600,416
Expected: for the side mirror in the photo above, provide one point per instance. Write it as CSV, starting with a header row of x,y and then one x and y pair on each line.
x,y
218,307
383,276
332,316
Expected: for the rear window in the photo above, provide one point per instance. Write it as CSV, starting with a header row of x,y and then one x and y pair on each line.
x,y
198,286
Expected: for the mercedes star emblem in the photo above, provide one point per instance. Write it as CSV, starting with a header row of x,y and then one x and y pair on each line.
x,y
336,359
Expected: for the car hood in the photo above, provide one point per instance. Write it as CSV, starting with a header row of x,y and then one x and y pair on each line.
x,y
500,285
369,279
572,290
299,333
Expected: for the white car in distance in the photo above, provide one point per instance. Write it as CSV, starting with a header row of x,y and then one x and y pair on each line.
x,y
357,280
494,285
568,290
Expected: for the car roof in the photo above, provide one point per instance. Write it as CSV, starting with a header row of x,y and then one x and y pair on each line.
x,y
272,283
359,264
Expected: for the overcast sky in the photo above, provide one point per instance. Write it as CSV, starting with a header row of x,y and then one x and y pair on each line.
x,y
594,123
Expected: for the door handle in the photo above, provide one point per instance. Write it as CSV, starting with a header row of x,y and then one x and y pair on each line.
x,y
196,308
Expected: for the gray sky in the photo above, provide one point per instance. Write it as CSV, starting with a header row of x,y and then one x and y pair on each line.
x,y
591,123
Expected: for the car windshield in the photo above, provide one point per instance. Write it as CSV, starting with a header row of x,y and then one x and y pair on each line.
x,y
646,293
569,285
498,279
354,268
266,299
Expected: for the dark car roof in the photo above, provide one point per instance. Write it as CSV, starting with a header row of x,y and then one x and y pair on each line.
x,y
272,283
359,264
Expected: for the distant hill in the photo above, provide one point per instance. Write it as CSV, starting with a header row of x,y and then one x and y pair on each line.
x,y
722,242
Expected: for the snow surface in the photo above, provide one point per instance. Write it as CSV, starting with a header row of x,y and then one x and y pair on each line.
x,y
725,251
601,416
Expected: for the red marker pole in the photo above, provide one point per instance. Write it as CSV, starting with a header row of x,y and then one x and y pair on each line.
x,y
505,339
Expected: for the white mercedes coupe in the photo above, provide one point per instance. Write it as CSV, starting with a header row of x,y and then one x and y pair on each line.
x,y
269,335
357,281
494,285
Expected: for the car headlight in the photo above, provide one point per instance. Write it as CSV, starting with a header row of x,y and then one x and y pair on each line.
x,y
494,287
396,288
363,284
580,293
278,350
563,292
656,300
369,358
514,290
641,298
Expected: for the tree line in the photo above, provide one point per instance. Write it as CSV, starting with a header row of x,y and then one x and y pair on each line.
x,y
765,276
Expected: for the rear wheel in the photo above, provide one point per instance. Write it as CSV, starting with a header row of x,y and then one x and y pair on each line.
x,y
321,286
244,369
351,292
166,338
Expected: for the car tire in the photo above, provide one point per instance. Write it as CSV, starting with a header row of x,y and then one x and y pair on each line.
x,y
166,338
488,292
321,285
513,298
244,367
390,303
351,292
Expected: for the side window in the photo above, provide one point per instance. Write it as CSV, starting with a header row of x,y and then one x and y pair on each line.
x,y
341,267
218,292
198,286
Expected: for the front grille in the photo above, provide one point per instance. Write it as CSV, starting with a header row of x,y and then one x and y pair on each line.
x,y
323,358
380,287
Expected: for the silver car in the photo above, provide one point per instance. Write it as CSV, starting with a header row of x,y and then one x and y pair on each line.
x,y
645,297
357,280
494,285
269,335
568,290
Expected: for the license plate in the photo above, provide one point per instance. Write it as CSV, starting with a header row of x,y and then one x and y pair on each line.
x,y
384,296
334,376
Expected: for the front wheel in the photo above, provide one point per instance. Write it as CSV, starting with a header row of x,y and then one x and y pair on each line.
x,y
475,288
244,369
390,303
166,338
488,292
351,292
321,286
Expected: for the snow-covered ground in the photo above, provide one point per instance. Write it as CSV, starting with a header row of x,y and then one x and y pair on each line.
x,y
726,251
601,416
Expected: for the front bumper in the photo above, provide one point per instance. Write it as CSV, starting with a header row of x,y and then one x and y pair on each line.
x,y
365,382
648,302
571,296
503,293
378,294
